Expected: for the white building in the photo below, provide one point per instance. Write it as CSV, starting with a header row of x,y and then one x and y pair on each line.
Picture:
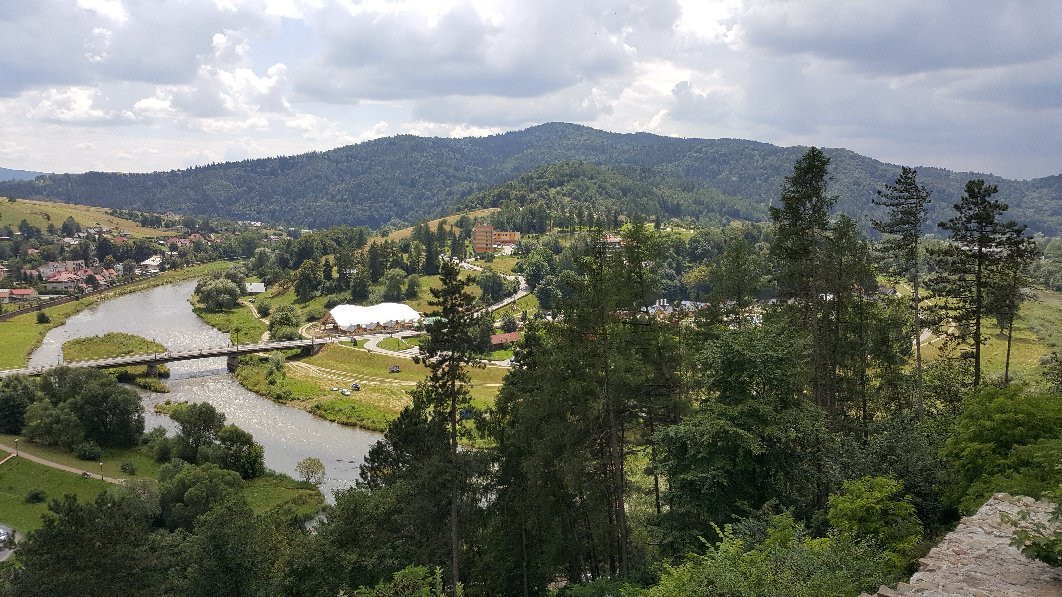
x,y
355,319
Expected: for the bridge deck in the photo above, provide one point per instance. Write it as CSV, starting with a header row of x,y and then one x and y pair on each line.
x,y
182,355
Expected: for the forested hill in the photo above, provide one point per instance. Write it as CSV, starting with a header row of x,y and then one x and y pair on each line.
x,y
406,178
8,174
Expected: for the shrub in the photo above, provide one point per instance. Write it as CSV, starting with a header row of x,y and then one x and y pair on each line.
x,y
874,509
42,317
128,468
36,496
315,314
89,450
262,307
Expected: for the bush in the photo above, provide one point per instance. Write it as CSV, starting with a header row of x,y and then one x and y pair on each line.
x,y
36,496
262,307
315,314
42,317
128,468
89,450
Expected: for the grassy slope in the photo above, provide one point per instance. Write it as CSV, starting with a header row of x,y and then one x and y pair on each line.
x,y
41,213
450,221
22,334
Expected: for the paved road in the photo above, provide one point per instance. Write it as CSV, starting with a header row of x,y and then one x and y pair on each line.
x,y
56,465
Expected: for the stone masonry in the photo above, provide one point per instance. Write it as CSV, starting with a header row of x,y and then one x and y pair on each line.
x,y
977,560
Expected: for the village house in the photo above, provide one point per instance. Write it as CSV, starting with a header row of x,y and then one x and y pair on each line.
x,y
152,264
17,295
52,267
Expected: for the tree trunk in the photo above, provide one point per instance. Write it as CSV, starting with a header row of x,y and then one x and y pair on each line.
x,y
454,529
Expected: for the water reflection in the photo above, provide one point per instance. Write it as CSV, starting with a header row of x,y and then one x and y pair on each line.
x,y
164,315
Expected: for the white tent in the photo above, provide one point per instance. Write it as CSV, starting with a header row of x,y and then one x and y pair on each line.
x,y
351,317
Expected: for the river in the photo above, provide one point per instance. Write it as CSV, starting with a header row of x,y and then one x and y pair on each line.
x,y
163,314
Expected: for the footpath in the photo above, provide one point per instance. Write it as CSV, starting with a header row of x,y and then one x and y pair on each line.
x,y
56,465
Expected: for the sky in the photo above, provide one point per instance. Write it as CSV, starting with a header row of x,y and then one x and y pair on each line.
x,y
143,85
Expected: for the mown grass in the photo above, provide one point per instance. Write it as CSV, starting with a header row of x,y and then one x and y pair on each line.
x,y
19,476
399,343
41,213
525,303
112,459
22,335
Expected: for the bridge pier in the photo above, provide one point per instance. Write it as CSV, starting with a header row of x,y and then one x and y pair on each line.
x,y
231,362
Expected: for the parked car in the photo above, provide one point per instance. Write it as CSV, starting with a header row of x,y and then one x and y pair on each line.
x,y
335,389
345,392
355,386
394,369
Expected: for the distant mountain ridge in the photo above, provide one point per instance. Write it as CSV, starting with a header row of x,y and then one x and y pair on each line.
x,y
405,178
9,174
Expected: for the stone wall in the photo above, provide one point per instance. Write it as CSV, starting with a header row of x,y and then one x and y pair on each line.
x,y
977,560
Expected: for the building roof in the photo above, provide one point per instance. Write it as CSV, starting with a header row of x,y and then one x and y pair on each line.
x,y
348,317
254,287
508,338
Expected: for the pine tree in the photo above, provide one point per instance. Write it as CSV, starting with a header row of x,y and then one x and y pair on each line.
x,y
448,352
906,201
977,243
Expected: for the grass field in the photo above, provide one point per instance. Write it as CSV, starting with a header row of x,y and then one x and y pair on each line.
x,y
112,459
270,492
450,221
41,213
500,264
527,303
18,476
1037,331
22,334
399,343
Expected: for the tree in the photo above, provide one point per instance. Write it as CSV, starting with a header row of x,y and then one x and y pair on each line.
x,y
284,323
17,392
311,470
53,425
1008,281
802,229
492,285
199,424
187,491
218,294
907,202
393,281
110,414
448,351
412,287
240,453
874,510
308,280
978,240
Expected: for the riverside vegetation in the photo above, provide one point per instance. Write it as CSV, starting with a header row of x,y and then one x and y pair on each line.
x,y
778,436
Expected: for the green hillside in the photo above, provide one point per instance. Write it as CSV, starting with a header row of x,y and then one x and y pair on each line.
x,y
402,179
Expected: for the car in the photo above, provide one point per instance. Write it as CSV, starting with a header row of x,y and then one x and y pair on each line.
x,y
335,389
345,392
355,386
394,369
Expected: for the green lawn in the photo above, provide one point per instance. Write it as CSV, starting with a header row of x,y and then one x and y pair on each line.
x,y
112,459
502,264
111,344
525,303
18,476
399,343
22,334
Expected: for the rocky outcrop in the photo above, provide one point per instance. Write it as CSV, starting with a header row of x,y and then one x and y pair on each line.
x,y
977,560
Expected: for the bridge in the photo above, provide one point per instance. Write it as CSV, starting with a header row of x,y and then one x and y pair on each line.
x,y
307,345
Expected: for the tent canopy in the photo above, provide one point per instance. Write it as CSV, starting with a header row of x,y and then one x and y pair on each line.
x,y
348,317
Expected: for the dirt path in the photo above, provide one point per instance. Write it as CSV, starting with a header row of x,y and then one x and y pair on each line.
x,y
56,465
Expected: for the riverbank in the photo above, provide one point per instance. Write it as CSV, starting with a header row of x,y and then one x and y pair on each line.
x,y
22,335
